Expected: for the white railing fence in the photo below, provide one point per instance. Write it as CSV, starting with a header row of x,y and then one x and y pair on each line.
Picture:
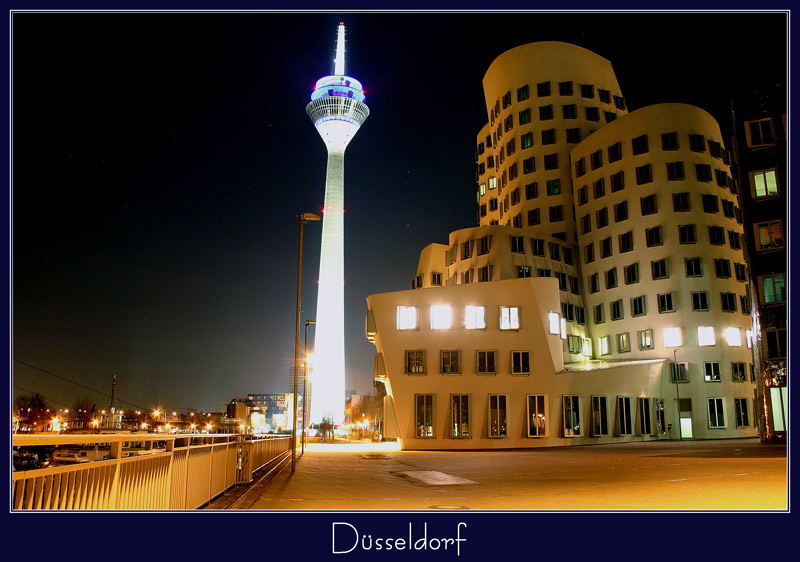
x,y
190,472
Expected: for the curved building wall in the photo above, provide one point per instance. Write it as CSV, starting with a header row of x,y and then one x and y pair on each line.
x,y
541,100
660,248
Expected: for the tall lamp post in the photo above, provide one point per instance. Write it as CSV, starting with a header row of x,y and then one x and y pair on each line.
x,y
305,385
304,219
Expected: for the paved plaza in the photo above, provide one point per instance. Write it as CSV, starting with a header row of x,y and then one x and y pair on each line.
x,y
730,475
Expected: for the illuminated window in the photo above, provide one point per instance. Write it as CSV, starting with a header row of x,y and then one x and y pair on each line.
x,y
526,140
523,93
553,188
450,362
460,416
773,288
509,318
623,343
769,235
705,336
498,416
574,344
570,405
485,364
765,183
492,183
475,317
441,317
415,362
525,116
624,415
645,338
716,413
407,318
672,337
520,363
424,415
599,416
537,415
603,347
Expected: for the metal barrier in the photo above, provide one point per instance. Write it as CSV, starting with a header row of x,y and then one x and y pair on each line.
x,y
190,472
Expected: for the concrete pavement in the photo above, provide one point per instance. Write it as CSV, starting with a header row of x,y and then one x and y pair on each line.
x,y
729,475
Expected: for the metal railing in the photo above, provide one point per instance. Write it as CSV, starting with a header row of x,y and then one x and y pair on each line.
x,y
190,472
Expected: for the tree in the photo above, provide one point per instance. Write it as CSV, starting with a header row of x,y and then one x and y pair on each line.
x,y
32,408
83,409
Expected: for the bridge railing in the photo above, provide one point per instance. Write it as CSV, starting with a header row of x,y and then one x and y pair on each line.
x,y
190,472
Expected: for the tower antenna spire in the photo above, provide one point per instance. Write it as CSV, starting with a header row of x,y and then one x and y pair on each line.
x,y
338,62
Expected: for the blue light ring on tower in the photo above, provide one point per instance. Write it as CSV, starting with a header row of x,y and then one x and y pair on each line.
x,y
337,108
344,86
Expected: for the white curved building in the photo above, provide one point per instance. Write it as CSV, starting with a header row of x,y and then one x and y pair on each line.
x,y
608,247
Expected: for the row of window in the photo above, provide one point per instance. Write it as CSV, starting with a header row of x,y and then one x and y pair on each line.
x,y
645,416
668,302
450,363
441,317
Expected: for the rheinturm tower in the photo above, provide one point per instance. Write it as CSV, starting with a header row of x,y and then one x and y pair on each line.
x,y
337,109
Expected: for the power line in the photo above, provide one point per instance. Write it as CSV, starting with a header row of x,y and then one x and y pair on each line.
x,y
76,383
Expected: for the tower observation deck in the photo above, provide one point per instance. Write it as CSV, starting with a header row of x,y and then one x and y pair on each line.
x,y
337,110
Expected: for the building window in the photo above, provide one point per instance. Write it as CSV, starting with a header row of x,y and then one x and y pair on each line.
x,y
669,141
555,251
532,190
705,336
450,362
735,240
571,415
621,211
565,88
587,91
436,279
640,145
526,140
594,284
699,301
742,415
549,136
603,347
716,235
710,203
537,415
534,217
626,242
697,143
649,205
694,267
492,204
716,413
573,135
653,236
459,416
714,149
475,317
765,183
520,363
485,364
616,310
680,373
703,172
605,247
506,100
574,344
523,93
769,235
592,114
602,217
523,271
638,306
728,302
645,416
723,268
665,303
537,247
599,416
484,273
631,273
773,288
659,269
554,187
580,167
588,253
722,178
687,234
644,174
680,202
596,159
557,211
675,171
611,278
624,415
484,244
619,102
570,111
407,318
415,362
509,318
599,188
550,161
615,152
759,133
645,338
544,272
543,89
498,415
545,112
441,317
580,315
610,116
599,314
738,372
618,181
424,415
518,244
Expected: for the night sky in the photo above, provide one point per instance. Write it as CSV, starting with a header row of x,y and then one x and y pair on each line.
x,y
161,161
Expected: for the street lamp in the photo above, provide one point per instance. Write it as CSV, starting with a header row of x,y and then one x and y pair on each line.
x,y
304,219
305,385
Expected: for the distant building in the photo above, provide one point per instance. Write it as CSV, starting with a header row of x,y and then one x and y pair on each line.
x,y
760,154
603,295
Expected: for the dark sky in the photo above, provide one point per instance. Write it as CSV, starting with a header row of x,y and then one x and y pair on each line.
x,y
160,162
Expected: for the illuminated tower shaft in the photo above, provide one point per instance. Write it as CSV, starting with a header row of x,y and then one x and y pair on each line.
x,y
337,109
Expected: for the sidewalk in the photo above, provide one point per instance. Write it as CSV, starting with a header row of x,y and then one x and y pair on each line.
x,y
664,475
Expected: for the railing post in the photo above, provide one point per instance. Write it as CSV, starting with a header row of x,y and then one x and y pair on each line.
x,y
116,454
171,452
